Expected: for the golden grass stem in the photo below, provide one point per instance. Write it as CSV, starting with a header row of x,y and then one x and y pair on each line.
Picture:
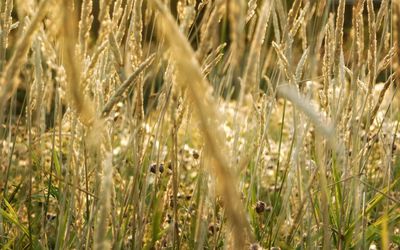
x,y
118,95
205,108
8,80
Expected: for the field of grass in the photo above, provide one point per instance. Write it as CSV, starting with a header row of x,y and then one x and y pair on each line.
x,y
188,124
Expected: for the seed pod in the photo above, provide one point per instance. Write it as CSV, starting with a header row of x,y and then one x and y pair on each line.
x,y
260,207
255,246
213,228
153,168
161,168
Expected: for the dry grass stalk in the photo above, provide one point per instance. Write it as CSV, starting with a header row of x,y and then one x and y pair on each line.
x,y
85,24
360,31
292,14
186,14
135,35
372,45
119,93
116,52
303,34
284,63
205,107
249,79
124,20
88,71
321,7
83,106
208,29
237,18
212,59
298,22
6,26
383,11
387,60
382,93
177,112
12,27
8,80
251,9
344,91
359,39
292,94
101,241
136,54
339,35
37,87
300,66
282,16
275,24
117,12
327,64
104,10
395,31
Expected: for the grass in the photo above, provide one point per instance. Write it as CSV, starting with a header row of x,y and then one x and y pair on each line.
x,y
199,124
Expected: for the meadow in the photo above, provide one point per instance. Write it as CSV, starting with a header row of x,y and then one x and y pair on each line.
x,y
199,124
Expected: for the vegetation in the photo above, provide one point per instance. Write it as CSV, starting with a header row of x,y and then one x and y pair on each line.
x,y
186,124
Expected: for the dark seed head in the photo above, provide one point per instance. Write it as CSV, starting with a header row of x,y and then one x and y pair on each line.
x,y
153,168
255,246
164,243
213,228
260,207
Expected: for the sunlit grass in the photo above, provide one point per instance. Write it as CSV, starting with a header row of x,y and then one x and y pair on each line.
x,y
199,124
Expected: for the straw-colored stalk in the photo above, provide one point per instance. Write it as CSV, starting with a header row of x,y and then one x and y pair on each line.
x,y
83,106
117,12
237,18
127,84
9,80
327,64
284,63
372,45
251,9
84,26
249,79
383,11
339,36
198,90
5,27
124,20
100,234
208,29
382,93
104,10
292,14
321,124
135,48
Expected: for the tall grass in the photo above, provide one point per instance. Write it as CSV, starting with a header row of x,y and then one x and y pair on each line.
x,y
199,124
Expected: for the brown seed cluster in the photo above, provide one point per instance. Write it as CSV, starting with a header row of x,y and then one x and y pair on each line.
x,y
153,168
262,207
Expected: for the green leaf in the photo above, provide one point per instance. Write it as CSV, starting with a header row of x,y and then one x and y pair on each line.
x,y
12,217
57,164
